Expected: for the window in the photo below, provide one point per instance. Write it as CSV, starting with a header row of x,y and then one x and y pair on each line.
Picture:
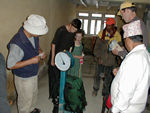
x,y
83,14
104,24
96,15
98,27
85,26
92,22
92,28
109,16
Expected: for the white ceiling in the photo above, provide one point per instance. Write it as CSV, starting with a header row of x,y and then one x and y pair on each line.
x,y
107,2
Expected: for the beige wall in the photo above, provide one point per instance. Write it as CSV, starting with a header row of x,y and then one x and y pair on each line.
x,y
13,14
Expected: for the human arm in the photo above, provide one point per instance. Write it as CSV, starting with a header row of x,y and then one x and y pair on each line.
x,y
122,54
20,64
15,56
55,42
53,55
79,57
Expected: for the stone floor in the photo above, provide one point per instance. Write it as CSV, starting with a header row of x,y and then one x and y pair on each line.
x,y
94,103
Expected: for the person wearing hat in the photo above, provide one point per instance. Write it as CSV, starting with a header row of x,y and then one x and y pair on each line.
x,y
104,58
23,59
129,89
63,40
128,13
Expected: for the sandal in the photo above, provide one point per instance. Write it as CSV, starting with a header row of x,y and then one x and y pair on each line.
x,y
36,110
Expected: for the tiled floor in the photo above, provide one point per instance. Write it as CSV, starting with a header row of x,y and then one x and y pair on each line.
x,y
94,103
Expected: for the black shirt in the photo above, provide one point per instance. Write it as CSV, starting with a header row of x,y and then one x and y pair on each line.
x,y
63,39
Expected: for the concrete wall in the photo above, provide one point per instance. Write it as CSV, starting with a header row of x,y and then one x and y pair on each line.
x,y
13,14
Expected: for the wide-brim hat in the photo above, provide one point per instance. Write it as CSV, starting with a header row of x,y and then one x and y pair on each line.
x,y
36,25
124,5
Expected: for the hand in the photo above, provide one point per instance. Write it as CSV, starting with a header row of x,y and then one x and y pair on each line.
x,y
42,55
115,52
52,62
35,60
115,70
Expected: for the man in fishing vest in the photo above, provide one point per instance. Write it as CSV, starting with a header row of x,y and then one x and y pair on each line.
x,y
23,59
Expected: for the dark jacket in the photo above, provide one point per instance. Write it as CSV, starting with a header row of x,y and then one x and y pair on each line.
x,y
102,54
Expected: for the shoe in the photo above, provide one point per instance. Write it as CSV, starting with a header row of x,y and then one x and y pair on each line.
x,y
36,110
55,109
94,93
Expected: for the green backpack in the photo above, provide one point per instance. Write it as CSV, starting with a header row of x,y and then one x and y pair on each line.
x,y
74,94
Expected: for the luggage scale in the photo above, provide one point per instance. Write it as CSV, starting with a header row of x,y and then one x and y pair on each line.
x,y
63,60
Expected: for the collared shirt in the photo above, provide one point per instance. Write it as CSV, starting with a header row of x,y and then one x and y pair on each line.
x,y
129,89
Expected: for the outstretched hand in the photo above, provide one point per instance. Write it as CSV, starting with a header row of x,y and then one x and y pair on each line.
x,y
115,52
115,70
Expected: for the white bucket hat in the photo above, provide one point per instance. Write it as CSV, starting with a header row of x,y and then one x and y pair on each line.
x,y
36,25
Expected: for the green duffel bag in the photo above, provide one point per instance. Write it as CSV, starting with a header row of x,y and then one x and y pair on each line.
x,y
74,94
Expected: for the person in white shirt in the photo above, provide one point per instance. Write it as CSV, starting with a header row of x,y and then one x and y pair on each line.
x,y
129,89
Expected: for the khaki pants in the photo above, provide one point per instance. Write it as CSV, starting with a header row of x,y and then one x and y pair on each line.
x,y
27,89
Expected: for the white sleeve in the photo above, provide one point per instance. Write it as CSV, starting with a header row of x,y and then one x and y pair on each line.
x,y
15,55
129,75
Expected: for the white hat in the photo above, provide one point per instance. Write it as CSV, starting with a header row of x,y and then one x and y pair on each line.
x,y
36,24
132,29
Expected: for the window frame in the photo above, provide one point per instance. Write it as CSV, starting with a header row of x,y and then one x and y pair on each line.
x,y
90,18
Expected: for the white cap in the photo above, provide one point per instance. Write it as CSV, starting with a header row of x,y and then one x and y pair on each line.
x,y
36,24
